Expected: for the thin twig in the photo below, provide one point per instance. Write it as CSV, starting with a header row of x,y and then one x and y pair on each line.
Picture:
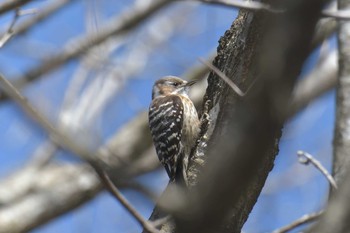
x,y
85,100
7,36
229,82
63,141
85,43
11,4
10,32
116,193
258,6
11,91
39,16
247,5
306,158
55,135
301,221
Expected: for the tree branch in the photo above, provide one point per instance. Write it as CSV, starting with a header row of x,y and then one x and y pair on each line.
x,y
337,214
305,158
307,218
341,156
65,142
124,160
320,80
237,171
69,186
40,15
259,6
21,183
80,45
9,5
117,194
229,187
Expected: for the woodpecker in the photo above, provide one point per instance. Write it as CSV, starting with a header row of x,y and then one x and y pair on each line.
x,y
174,125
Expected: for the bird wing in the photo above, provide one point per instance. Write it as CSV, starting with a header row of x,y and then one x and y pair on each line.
x,y
165,120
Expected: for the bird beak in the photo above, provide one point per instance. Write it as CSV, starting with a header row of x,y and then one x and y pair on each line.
x,y
190,83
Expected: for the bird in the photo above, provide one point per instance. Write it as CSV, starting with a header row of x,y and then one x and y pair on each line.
x,y
174,125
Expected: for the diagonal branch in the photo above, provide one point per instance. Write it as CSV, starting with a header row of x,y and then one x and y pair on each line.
x,y
47,11
8,5
78,46
259,6
117,194
246,5
246,131
56,189
65,142
127,159
307,218
306,158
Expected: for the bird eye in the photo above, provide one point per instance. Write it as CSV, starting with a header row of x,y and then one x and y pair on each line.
x,y
175,84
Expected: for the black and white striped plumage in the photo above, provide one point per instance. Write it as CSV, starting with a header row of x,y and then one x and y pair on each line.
x,y
174,124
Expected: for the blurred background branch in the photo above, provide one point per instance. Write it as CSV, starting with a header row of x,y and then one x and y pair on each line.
x,y
9,5
88,70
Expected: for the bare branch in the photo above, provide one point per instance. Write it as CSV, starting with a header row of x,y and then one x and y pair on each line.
x,y
335,219
306,158
258,6
116,193
307,218
58,137
21,183
85,101
40,15
32,184
83,44
341,155
233,86
246,5
320,80
238,170
11,4
131,153
9,31
324,29
340,14
63,141
56,189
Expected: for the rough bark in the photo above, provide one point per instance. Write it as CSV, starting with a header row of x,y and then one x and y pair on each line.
x,y
246,131
239,138
341,156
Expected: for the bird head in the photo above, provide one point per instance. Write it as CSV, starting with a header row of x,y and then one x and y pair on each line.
x,y
171,85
